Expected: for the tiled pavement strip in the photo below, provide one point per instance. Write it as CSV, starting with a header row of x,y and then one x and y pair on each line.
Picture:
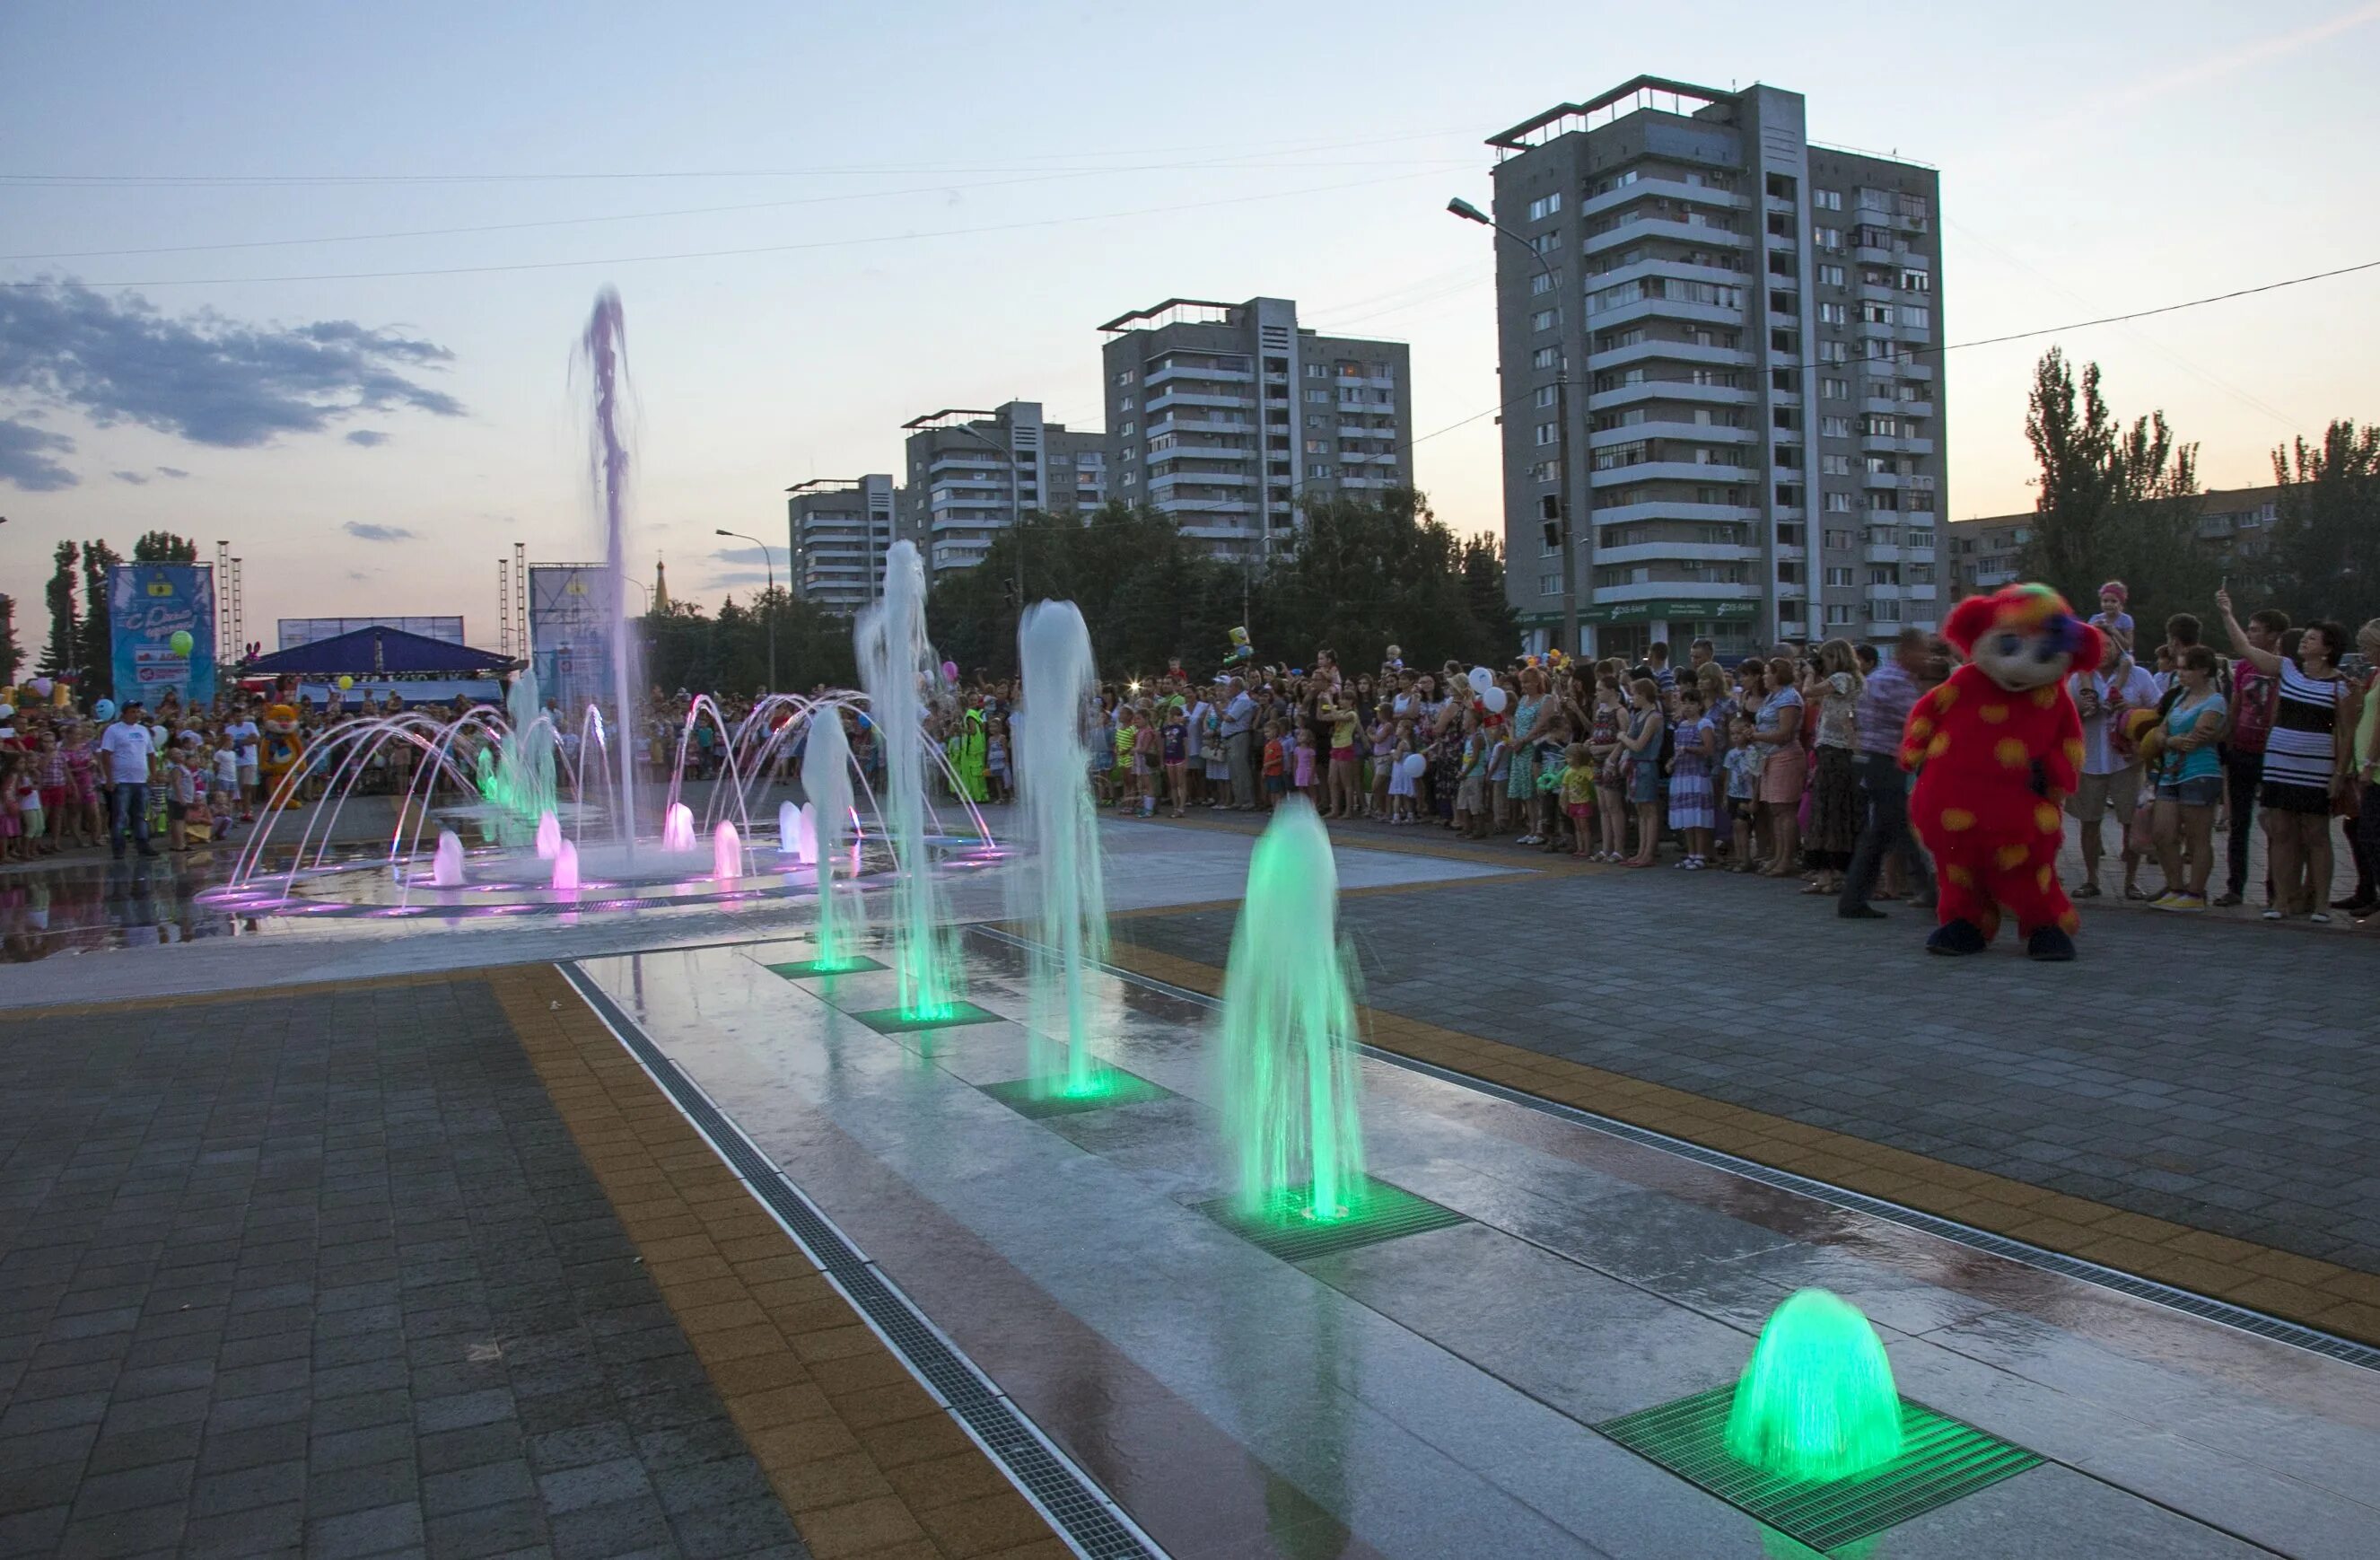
x,y
2188,1102
425,1266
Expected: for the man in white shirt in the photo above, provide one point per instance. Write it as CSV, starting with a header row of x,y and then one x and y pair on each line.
x,y
1239,715
2111,765
244,737
125,749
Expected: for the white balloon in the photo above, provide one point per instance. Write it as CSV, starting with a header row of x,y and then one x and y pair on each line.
x,y
1481,680
1415,765
1494,699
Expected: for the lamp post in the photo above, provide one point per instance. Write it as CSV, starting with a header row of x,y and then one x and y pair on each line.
x,y
1557,524
768,563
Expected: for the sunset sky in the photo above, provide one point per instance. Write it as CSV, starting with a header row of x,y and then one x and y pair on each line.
x,y
825,220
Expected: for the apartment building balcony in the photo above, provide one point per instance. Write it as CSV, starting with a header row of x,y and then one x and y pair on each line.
x,y
1887,406
1875,292
1195,399
968,465
1191,423
1349,430
1912,369
1702,431
1667,552
1673,509
1173,504
1672,352
1882,592
1919,593
1204,452
945,499
1874,330
1682,232
1868,254
1380,482
1218,376
1882,553
1669,390
1881,478
1201,478
1667,188
1670,471
1674,269
1675,590
1663,308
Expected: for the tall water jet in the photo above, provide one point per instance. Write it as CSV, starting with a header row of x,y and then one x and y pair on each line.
x,y
1059,885
726,853
565,867
524,769
606,348
446,867
677,829
1817,1402
1291,1119
895,661
789,831
826,780
549,835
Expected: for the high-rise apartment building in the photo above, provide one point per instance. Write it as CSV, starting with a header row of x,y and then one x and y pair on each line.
x,y
1226,416
838,530
1751,328
974,473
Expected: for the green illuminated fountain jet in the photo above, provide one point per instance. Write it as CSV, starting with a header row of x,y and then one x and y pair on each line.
x,y
1817,1401
1288,1049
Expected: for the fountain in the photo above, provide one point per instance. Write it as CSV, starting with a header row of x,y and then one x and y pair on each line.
x,y
1291,1121
793,836
895,659
1817,1402
605,346
726,853
549,835
565,867
447,869
1058,885
677,829
826,780
524,767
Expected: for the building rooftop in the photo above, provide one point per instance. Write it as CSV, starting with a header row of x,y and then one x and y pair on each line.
x,y
1654,92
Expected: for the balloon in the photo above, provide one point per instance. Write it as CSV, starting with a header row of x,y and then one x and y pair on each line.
x,y
1415,766
1494,699
949,671
181,642
345,682
1481,680
104,710
8,712
42,687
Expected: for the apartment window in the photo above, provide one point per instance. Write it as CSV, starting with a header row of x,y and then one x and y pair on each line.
x,y
1784,303
1834,390
1785,344
1315,419
1317,447
1545,397
1838,504
1835,427
1317,370
1789,536
1544,471
1838,541
1916,281
1781,380
1545,206
1545,281
1788,496
1830,275
1785,418
1885,612
1317,397
1130,477
1617,181
1781,225
1547,243
1875,200
1128,428
1834,352
1318,469
1880,427
1789,458
1547,433
1834,314
1883,498
1544,319
1917,314
1550,584
1835,465
1839,576
1828,238
1780,187
1827,200
1838,616
1544,357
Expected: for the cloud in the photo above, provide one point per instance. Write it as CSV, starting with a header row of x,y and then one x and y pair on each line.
x,y
751,555
363,530
138,479
174,471
24,463
367,437
202,376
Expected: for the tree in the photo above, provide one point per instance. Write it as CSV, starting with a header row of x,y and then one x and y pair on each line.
x,y
2325,558
165,547
97,641
2112,502
1362,575
64,651
10,656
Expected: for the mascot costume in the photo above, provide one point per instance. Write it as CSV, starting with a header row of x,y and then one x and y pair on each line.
x,y
1996,750
279,752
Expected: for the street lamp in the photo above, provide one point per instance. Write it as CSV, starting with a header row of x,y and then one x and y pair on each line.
x,y
770,564
1557,524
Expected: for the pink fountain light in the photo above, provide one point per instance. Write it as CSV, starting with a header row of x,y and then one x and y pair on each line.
x,y
565,867
726,853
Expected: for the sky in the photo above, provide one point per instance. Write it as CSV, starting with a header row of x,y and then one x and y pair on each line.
x,y
825,220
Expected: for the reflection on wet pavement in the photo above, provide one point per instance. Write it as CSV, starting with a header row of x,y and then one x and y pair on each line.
x,y
92,903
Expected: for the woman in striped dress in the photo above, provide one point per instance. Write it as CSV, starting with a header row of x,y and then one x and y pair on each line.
x,y
2305,767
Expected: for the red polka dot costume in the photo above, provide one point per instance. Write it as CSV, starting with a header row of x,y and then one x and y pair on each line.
x,y
1997,748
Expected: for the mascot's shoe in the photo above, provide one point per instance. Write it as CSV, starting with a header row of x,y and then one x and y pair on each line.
x,y
2051,946
1957,937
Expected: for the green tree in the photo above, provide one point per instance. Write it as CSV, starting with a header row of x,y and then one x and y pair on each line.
x,y
96,642
1362,575
64,651
2325,558
2111,501
165,547
11,658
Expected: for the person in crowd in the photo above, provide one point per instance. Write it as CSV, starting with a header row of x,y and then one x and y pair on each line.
x,y
1641,742
1832,686
1533,717
1693,813
1605,720
2111,765
1578,794
2255,696
1276,773
1238,730
2189,777
2112,619
2364,760
1885,701
127,751
2307,760
1657,656
1784,767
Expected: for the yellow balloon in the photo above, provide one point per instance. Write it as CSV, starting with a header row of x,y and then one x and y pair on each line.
x,y
345,682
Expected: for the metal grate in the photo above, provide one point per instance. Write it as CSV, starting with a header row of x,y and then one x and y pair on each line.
x,y
892,1021
1092,1524
1037,1097
1376,1211
2297,1334
1941,1459
808,968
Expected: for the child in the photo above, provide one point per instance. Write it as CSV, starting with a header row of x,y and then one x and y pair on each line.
x,y
49,775
1603,746
1499,773
1102,745
1743,761
223,795
12,825
1691,812
1384,745
995,759
1275,779
181,791
1578,793
1308,739
83,783
1470,786
1147,765
1219,758
1128,743
1174,739
1401,785
2111,618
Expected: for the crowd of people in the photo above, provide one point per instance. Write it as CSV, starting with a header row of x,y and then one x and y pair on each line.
x,y
126,775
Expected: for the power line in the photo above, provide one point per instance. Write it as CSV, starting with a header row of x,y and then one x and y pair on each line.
x,y
2145,313
714,254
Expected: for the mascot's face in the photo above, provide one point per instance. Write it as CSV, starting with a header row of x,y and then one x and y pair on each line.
x,y
280,718
2023,637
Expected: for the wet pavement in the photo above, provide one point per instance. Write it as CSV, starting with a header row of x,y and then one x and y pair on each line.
x,y
1436,1393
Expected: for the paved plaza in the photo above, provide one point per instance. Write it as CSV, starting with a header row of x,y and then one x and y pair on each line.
x,y
355,1239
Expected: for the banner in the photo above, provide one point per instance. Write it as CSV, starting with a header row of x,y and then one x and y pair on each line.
x,y
570,634
148,606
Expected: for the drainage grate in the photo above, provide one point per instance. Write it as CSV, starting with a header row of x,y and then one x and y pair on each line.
x,y
893,1020
1376,1211
853,964
1942,1458
2206,1308
1037,1097
1091,1523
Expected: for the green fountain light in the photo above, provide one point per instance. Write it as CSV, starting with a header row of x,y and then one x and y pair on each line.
x,y
1817,1402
